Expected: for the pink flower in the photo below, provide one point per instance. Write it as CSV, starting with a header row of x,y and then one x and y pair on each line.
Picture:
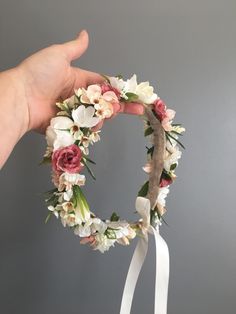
x,y
165,182
160,108
165,115
67,159
107,88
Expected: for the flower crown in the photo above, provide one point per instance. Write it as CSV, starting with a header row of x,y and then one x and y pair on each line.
x,y
76,127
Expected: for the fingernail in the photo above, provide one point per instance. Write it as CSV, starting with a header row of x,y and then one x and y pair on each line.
x,y
82,33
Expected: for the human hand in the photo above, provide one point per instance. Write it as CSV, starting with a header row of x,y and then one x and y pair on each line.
x,y
47,77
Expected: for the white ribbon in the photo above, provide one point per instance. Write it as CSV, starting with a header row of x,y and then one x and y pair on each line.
x,y
162,263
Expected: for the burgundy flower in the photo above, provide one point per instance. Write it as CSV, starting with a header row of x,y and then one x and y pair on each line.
x,y
67,159
160,108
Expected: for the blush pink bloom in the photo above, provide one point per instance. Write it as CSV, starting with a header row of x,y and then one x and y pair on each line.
x,y
107,88
67,159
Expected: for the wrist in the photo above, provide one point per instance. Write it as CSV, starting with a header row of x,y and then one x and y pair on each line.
x,y
16,103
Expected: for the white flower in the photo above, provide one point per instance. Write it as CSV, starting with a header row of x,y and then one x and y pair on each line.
x,y
162,195
121,228
67,180
103,243
172,158
84,116
53,210
94,137
118,83
57,133
91,226
144,91
68,195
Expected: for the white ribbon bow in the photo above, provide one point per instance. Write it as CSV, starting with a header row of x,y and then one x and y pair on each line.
x,y
162,263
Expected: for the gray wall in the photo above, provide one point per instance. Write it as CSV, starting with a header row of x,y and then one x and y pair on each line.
x,y
188,49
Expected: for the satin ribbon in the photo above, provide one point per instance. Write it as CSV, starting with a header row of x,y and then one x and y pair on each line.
x,y
162,263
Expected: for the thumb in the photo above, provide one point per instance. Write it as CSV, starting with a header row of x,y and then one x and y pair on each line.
x,y
75,48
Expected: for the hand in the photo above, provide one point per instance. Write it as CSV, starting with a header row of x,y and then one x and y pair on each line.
x,y
48,77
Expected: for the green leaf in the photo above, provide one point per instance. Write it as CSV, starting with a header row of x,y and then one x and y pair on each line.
x,y
131,97
89,160
105,77
110,233
46,160
48,217
173,166
52,200
150,150
148,131
119,76
144,189
114,217
89,170
169,135
79,200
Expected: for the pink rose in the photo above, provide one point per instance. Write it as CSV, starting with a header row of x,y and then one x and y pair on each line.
x,y
67,159
160,108
108,88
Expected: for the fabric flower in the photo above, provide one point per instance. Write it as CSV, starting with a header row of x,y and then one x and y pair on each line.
x,y
103,243
107,88
162,195
165,115
172,158
165,182
144,91
91,226
84,117
67,180
67,159
104,109
57,133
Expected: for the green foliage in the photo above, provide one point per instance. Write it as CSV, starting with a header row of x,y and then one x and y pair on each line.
x,y
148,131
46,160
144,189
79,200
114,217
131,97
89,169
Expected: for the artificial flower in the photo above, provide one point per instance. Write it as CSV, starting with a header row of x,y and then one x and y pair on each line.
x,y
104,109
172,158
84,117
67,159
67,180
103,243
162,195
57,134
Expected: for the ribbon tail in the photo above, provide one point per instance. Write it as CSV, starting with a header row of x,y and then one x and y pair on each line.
x,y
162,273
133,274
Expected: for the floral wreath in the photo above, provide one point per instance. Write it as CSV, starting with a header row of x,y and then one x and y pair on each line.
x,y
76,127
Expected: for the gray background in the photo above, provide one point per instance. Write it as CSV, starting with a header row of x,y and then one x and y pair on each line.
x,y
187,50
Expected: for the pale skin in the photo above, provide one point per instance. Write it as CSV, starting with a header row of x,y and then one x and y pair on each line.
x,y
29,91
